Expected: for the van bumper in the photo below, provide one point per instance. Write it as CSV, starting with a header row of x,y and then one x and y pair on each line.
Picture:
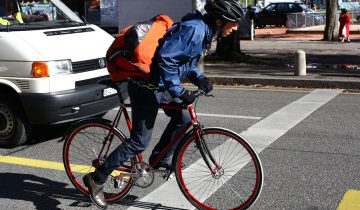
x,y
67,106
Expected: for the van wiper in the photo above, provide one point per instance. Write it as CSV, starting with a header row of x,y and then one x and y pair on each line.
x,y
75,23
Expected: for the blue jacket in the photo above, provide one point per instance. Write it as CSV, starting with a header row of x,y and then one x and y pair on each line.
x,y
183,45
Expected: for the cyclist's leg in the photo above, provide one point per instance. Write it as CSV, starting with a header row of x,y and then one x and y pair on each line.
x,y
179,118
144,111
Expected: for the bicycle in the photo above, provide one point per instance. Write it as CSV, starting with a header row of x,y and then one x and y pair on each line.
x,y
208,162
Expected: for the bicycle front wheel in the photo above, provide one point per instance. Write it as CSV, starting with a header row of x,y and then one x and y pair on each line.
x,y
81,155
237,181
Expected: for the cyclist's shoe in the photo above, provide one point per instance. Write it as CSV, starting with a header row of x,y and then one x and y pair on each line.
x,y
96,192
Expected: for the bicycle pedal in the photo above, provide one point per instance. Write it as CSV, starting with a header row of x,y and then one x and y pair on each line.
x,y
118,183
167,176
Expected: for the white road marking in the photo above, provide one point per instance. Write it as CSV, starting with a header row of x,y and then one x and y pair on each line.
x,y
216,115
229,116
259,135
277,124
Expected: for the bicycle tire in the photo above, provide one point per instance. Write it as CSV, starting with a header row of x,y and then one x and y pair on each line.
x,y
241,176
81,148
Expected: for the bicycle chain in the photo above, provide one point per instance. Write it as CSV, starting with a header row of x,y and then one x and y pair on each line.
x,y
143,84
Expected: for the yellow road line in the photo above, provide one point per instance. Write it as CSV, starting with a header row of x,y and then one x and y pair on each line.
x,y
42,164
48,164
32,162
350,201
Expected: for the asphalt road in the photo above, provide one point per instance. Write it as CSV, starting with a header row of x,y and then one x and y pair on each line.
x,y
308,141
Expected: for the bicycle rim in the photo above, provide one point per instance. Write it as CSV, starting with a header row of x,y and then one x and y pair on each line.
x,y
236,185
81,149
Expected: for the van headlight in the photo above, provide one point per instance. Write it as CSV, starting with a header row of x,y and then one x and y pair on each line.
x,y
50,68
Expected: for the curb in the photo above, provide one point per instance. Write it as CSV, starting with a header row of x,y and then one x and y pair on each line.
x,y
288,82
313,32
354,29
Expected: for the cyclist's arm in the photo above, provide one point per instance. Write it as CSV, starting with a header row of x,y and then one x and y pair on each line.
x,y
180,51
194,74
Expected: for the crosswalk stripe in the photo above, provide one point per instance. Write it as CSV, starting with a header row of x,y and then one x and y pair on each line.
x,y
214,115
277,124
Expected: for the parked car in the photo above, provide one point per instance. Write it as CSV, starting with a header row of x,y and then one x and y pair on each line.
x,y
276,13
255,9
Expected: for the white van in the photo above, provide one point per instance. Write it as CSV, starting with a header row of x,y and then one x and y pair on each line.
x,y
50,62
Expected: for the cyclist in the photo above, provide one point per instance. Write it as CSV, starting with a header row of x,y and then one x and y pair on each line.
x,y
182,46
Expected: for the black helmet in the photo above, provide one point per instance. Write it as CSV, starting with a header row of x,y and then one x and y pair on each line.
x,y
226,10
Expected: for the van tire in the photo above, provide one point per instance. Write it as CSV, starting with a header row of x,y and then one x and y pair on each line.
x,y
14,129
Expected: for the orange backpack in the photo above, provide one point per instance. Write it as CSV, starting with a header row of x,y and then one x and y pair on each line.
x,y
133,49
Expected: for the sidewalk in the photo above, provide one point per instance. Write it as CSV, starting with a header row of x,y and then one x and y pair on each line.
x,y
271,59
354,29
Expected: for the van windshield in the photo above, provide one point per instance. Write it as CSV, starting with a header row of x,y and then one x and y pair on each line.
x,y
31,15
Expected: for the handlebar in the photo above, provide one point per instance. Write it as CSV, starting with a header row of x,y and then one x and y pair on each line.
x,y
200,92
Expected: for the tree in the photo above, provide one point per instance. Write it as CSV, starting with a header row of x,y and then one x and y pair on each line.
x,y
229,47
331,27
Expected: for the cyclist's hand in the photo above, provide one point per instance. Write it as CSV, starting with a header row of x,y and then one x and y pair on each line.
x,y
205,85
188,97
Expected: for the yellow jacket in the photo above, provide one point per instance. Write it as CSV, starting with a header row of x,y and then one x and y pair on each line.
x,y
18,18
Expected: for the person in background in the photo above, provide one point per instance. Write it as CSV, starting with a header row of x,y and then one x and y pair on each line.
x,y
314,7
182,46
10,14
344,28
250,13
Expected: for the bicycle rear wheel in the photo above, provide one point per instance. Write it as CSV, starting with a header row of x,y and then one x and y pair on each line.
x,y
237,182
80,156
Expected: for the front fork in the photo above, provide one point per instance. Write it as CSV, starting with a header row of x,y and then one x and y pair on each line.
x,y
212,164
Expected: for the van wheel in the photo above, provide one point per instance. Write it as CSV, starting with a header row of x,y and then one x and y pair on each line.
x,y
14,130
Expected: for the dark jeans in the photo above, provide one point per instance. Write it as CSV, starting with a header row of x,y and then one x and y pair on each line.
x,y
145,105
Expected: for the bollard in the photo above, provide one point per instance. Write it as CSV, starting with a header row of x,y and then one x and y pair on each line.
x,y
300,63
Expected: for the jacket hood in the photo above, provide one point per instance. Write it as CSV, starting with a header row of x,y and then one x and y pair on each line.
x,y
211,30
